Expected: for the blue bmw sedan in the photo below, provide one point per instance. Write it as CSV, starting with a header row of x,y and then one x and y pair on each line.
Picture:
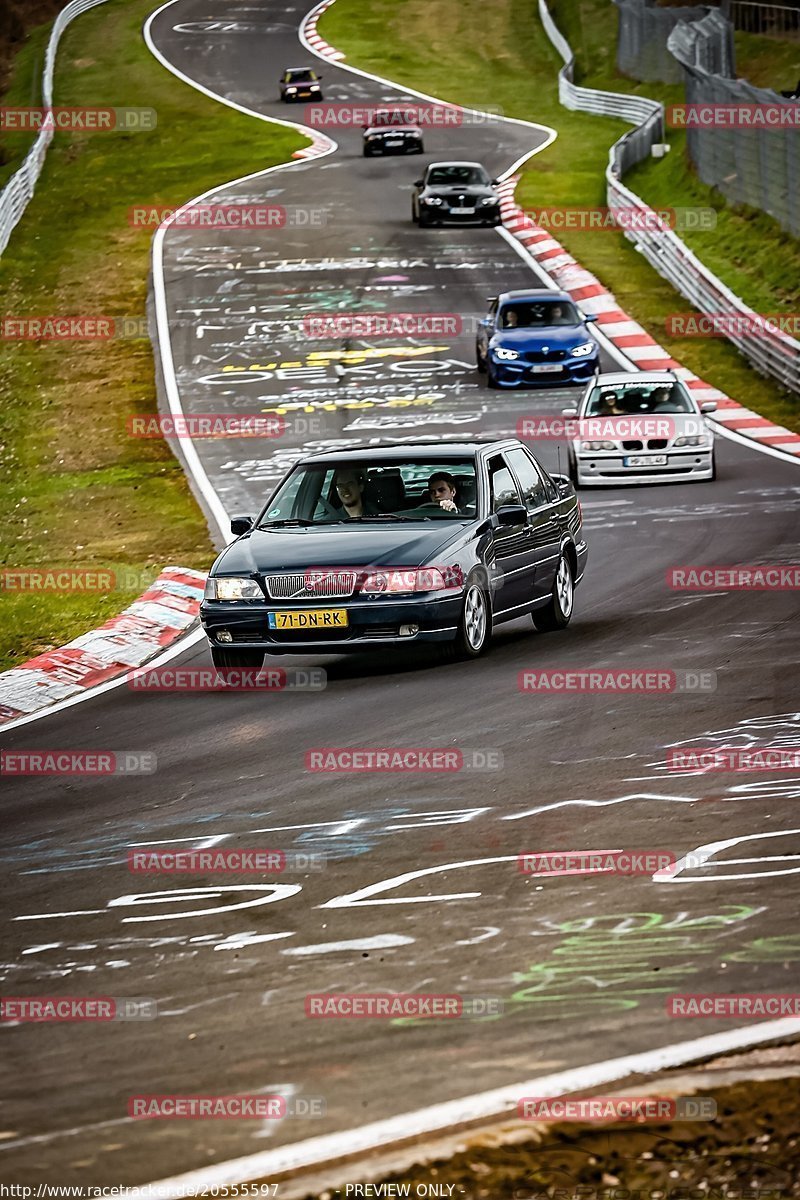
x,y
535,338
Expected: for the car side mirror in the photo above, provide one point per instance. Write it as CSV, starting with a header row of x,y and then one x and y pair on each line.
x,y
240,525
495,182
512,514
418,182
708,406
588,316
569,412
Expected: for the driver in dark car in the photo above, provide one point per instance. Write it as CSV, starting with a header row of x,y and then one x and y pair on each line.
x,y
443,491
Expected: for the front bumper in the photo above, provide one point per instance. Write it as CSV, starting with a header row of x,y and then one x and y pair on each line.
x,y
488,214
301,95
372,623
518,373
606,468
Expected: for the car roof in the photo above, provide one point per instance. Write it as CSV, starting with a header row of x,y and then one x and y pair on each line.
x,y
416,449
456,162
535,294
611,377
290,69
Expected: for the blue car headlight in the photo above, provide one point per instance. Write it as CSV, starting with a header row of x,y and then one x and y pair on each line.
x,y
582,350
505,353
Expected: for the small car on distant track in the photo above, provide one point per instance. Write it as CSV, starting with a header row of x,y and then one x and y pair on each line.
x,y
391,132
641,427
300,83
455,192
396,545
535,337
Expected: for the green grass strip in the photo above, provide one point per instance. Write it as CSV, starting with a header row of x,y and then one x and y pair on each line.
x,y
77,491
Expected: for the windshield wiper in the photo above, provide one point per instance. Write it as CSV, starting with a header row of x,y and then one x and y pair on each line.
x,y
385,517
296,521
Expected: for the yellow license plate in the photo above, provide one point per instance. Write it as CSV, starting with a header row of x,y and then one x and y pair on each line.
x,y
310,618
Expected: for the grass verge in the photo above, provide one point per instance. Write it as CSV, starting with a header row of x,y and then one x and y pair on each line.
x,y
78,491
443,49
750,1149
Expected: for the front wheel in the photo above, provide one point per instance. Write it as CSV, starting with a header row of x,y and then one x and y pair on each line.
x,y
480,361
558,610
237,659
491,379
474,628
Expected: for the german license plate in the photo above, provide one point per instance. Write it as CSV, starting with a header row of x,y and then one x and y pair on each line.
x,y
309,618
545,368
645,460
394,141
457,209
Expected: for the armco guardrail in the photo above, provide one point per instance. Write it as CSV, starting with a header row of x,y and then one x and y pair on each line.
x,y
759,167
22,184
770,352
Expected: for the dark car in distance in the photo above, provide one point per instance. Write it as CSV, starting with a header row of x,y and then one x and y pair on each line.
x,y
300,83
455,192
535,337
391,132
397,545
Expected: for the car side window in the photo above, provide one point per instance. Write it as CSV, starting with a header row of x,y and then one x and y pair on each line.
x,y
534,492
502,486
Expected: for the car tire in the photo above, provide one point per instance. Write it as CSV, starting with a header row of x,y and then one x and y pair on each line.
x,y
480,362
237,659
713,466
423,222
572,471
474,626
491,380
557,612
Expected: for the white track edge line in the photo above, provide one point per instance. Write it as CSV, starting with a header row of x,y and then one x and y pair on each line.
x,y
192,460
438,1119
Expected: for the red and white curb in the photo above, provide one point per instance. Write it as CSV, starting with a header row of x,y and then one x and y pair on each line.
x,y
320,144
158,618
318,44
626,334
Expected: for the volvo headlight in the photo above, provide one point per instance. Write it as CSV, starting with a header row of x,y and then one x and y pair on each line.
x,y
582,350
232,587
506,353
